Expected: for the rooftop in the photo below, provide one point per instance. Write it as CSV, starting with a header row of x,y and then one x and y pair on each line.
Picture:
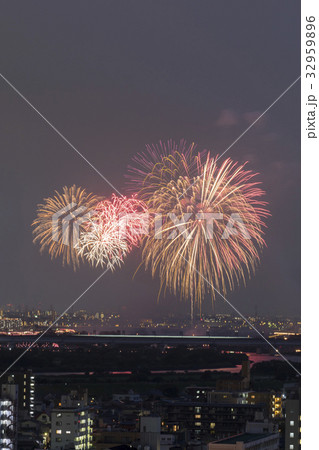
x,y
245,437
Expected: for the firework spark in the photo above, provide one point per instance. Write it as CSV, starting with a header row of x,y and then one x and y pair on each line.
x,y
71,206
117,226
188,257
159,164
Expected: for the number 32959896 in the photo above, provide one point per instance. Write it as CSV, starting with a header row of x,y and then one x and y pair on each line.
x,y
310,47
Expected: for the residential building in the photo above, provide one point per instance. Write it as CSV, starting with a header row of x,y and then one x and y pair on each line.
x,y
271,400
205,421
71,423
26,384
9,417
71,428
292,424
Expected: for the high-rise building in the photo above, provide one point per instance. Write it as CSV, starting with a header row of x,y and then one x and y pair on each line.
x,y
26,384
150,432
8,417
292,424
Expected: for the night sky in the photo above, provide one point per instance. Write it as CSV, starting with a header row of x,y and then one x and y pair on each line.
x,y
113,76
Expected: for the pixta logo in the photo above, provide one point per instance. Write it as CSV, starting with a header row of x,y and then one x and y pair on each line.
x,y
67,221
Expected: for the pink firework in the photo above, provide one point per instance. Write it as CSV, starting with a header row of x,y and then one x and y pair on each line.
x,y
115,228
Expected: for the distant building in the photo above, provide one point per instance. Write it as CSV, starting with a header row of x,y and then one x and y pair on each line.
x,y
129,397
292,424
252,441
9,417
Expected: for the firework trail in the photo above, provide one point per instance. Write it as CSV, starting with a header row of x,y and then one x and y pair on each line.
x,y
117,225
158,165
73,204
188,257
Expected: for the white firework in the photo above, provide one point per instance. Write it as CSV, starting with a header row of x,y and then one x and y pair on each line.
x,y
113,231
101,244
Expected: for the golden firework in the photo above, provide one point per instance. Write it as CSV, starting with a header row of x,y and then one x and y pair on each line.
x,y
209,223
59,221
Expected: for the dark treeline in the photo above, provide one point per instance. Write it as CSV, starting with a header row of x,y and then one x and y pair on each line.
x,y
120,358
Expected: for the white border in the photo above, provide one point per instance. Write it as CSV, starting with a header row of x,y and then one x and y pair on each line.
x,y
309,239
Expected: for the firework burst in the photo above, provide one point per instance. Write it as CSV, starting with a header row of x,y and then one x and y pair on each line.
x,y
187,191
160,164
73,204
110,234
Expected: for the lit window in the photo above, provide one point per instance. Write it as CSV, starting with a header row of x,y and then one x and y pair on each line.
x,y
58,432
292,423
292,435
291,447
